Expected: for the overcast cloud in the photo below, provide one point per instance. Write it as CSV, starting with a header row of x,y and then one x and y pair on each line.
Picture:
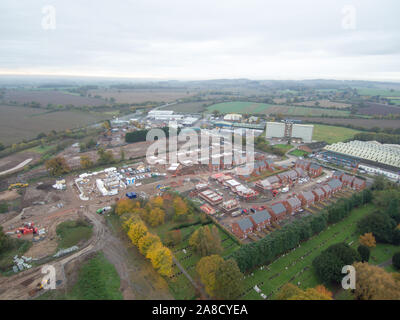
x,y
203,39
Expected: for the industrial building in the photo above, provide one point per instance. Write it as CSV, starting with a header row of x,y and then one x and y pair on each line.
x,y
367,152
289,130
164,115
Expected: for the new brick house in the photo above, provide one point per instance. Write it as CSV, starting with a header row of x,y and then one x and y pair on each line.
x,y
307,198
260,219
300,172
277,211
292,205
315,170
327,191
347,180
335,185
338,175
288,177
358,184
242,227
319,194
303,164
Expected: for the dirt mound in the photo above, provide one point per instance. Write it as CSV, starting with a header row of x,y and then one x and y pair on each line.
x,y
44,186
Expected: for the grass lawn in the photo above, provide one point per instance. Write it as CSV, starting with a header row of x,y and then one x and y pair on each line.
x,y
378,92
71,232
41,149
332,134
299,153
97,280
296,266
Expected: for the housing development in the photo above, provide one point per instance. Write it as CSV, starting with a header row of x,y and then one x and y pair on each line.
x,y
148,153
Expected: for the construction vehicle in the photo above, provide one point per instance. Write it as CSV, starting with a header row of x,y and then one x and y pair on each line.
x,y
28,228
103,210
17,186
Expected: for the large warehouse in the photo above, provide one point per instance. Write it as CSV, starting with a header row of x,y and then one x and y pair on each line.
x,y
370,152
289,130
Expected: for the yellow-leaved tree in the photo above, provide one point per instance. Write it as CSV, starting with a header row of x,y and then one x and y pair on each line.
x,y
180,207
368,240
161,259
206,269
155,217
126,206
137,230
147,241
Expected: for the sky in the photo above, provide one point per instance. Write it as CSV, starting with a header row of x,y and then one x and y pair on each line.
x,y
202,39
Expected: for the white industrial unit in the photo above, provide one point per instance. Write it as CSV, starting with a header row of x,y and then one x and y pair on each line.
x,y
303,131
275,130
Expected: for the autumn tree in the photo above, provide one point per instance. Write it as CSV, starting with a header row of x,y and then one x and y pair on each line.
x,y
291,292
173,237
368,240
324,291
206,241
126,206
161,259
137,230
222,278
157,202
374,283
57,166
155,217
180,207
310,294
206,268
147,241
86,163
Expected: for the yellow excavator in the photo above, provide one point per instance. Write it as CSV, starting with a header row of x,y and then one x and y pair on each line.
x,y
17,186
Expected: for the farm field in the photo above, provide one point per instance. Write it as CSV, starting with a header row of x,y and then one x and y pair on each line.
x,y
18,123
263,108
365,123
44,97
378,109
332,134
296,266
187,107
142,95
378,92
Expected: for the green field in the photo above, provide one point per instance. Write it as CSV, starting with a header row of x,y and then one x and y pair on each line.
x,y
72,232
332,134
263,108
296,266
97,280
